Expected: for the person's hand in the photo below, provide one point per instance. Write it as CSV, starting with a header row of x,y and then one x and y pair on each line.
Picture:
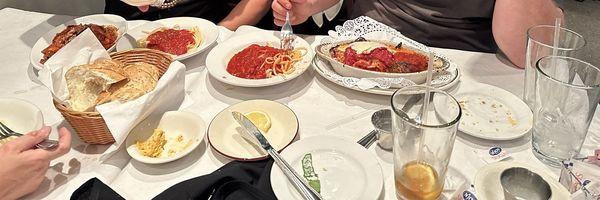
x,y
143,8
300,11
23,168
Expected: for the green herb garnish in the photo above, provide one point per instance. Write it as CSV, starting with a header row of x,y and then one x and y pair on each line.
x,y
309,173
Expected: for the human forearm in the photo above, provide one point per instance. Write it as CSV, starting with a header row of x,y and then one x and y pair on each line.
x,y
299,10
320,5
511,20
247,12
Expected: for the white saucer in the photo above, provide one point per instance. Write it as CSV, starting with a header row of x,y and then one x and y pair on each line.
x,y
488,187
490,112
225,136
345,169
208,30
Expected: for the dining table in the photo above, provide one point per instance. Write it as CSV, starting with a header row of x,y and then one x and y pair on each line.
x,y
322,108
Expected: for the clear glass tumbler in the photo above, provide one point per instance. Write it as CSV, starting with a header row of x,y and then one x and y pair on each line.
x,y
540,40
423,140
569,92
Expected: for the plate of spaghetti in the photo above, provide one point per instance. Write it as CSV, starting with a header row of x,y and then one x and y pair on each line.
x,y
182,37
255,60
108,29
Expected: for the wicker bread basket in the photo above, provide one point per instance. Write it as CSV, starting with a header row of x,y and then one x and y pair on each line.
x,y
90,126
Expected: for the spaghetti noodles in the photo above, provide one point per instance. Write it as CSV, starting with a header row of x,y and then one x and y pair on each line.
x,y
174,40
259,62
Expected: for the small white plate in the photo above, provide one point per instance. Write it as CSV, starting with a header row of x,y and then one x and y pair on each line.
x,y
219,57
345,169
20,115
489,112
225,136
100,19
173,123
488,187
208,30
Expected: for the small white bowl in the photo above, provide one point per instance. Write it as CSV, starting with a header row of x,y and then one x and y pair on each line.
x,y
20,115
188,124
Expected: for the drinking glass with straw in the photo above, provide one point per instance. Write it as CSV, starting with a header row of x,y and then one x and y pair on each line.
x,y
424,125
545,40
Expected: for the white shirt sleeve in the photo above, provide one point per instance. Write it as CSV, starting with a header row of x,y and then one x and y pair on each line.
x,y
330,13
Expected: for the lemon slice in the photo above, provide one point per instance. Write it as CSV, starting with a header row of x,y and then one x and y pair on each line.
x,y
260,120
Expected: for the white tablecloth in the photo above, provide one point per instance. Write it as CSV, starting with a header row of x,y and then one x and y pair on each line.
x,y
321,106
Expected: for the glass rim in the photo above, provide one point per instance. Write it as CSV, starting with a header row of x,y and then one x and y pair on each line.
x,y
414,123
586,87
578,47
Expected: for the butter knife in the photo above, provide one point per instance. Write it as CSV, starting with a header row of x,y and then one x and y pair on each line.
x,y
300,184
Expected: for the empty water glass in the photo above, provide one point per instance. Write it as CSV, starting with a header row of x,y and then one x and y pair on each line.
x,y
540,41
567,93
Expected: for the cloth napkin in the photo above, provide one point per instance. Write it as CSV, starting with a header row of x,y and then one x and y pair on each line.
x,y
120,118
83,49
234,181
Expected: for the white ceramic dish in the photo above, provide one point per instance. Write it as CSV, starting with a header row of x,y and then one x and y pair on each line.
x,y
20,115
323,50
208,30
225,136
488,187
101,19
491,113
174,123
325,69
219,57
345,169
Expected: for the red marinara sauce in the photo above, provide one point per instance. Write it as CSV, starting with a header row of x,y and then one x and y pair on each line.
x,y
247,63
171,41
382,60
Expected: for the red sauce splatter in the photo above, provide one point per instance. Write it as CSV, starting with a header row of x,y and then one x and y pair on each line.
x,y
247,63
171,41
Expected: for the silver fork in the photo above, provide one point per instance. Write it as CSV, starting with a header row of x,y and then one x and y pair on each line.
x,y
6,132
287,34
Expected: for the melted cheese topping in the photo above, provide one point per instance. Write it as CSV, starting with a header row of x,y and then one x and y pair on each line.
x,y
362,46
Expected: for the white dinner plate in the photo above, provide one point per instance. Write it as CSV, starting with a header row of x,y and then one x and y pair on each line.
x,y
345,169
442,80
489,112
226,137
208,30
488,187
219,57
173,123
100,19
20,115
